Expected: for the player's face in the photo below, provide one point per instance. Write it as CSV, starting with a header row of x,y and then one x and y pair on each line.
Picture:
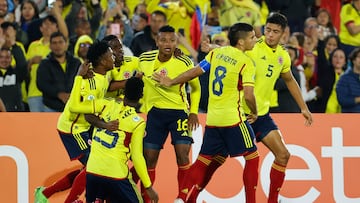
x,y
117,48
250,40
166,42
109,59
273,33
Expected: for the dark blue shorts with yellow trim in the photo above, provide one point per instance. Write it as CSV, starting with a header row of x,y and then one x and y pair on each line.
x,y
77,145
117,191
234,141
262,126
162,121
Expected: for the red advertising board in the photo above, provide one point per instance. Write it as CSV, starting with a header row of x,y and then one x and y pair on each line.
x,y
323,166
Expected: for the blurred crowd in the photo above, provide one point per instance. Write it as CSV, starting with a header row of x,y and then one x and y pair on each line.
x,y
322,39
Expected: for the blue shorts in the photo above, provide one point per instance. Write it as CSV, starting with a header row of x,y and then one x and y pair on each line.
x,y
262,126
233,141
162,121
77,145
115,190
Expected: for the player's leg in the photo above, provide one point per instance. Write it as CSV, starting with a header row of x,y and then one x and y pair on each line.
x,y
197,176
156,134
77,147
216,162
79,184
182,140
275,143
123,191
240,140
268,133
93,188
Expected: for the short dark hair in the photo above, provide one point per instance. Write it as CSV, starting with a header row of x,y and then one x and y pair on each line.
x,y
144,16
109,38
277,18
134,89
57,34
158,12
96,51
352,56
49,18
166,28
7,24
238,31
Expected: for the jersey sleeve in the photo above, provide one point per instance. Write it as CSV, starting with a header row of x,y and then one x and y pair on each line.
x,y
248,73
287,63
79,104
136,150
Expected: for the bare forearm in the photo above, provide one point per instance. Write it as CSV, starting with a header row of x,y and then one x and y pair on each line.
x,y
296,94
187,76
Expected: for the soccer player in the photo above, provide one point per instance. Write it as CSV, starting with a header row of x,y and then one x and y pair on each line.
x,y
125,67
107,169
271,62
75,131
231,76
168,109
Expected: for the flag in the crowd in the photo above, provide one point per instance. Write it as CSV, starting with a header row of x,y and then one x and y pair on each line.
x,y
196,27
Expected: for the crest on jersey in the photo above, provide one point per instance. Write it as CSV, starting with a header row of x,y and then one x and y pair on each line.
x,y
281,60
163,72
91,97
127,75
136,119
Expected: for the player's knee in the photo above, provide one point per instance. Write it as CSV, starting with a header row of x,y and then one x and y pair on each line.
x,y
283,157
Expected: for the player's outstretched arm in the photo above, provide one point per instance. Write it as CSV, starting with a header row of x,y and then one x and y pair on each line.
x,y
182,78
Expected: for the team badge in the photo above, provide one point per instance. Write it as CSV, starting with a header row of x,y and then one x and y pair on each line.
x,y
91,97
127,75
136,119
281,60
163,72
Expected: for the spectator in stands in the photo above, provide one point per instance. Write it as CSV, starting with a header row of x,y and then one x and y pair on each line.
x,y
10,79
4,15
325,70
350,26
18,52
82,47
82,28
56,74
116,22
245,11
338,65
29,12
348,86
34,31
145,40
139,22
79,11
36,52
325,25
